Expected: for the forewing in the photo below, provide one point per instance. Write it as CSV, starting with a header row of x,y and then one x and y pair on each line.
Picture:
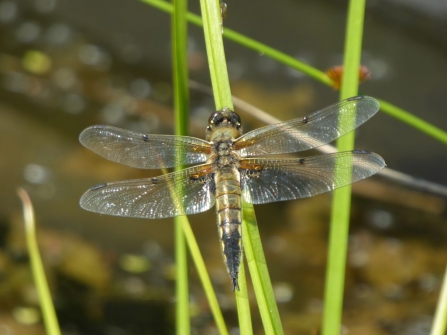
x,y
279,180
169,195
309,132
144,151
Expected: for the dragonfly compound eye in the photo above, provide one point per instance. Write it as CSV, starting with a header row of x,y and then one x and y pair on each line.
x,y
235,119
215,118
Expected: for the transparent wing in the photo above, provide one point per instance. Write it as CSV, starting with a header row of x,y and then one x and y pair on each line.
x,y
144,151
309,132
287,179
173,194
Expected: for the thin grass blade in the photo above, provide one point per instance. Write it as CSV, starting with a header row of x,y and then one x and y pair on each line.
x,y
440,319
46,303
181,111
259,272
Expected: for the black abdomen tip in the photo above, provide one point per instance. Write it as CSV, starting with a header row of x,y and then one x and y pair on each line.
x,y
235,284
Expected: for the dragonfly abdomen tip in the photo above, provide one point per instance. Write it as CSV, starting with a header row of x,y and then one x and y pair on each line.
x,y
235,284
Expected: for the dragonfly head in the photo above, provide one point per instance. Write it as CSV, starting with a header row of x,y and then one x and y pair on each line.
x,y
224,120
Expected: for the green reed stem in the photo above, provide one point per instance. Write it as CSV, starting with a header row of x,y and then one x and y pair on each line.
x,y
341,204
222,94
45,301
259,273
212,29
204,277
222,97
183,228
440,319
181,112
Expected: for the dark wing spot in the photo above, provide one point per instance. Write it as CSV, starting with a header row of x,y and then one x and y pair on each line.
x,y
154,181
361,152
305,119
355,98
97,187
145,138
99,126
194,177
302,160
253,173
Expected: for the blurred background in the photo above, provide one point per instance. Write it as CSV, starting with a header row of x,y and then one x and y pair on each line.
x,y
66,65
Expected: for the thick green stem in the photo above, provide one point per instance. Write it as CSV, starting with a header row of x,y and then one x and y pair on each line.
x,y
341,204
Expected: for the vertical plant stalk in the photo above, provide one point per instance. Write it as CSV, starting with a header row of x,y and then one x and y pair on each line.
x,y
181,111
251,239
46,303
440,320
243,304
182,227
182,292
204,277
259,273
341,204
212,27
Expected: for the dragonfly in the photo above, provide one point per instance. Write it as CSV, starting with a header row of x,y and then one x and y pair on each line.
x,y
229,168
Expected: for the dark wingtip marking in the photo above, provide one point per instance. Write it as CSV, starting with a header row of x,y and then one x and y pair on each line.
x,y
358,97
305,119
97,187
235,284
99,126
154,180
145,138
302,160
364,152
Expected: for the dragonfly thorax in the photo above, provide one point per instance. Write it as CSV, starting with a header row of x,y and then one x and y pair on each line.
x,y
222,152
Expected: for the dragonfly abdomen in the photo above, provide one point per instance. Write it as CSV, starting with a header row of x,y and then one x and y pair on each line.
x,y
229,219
